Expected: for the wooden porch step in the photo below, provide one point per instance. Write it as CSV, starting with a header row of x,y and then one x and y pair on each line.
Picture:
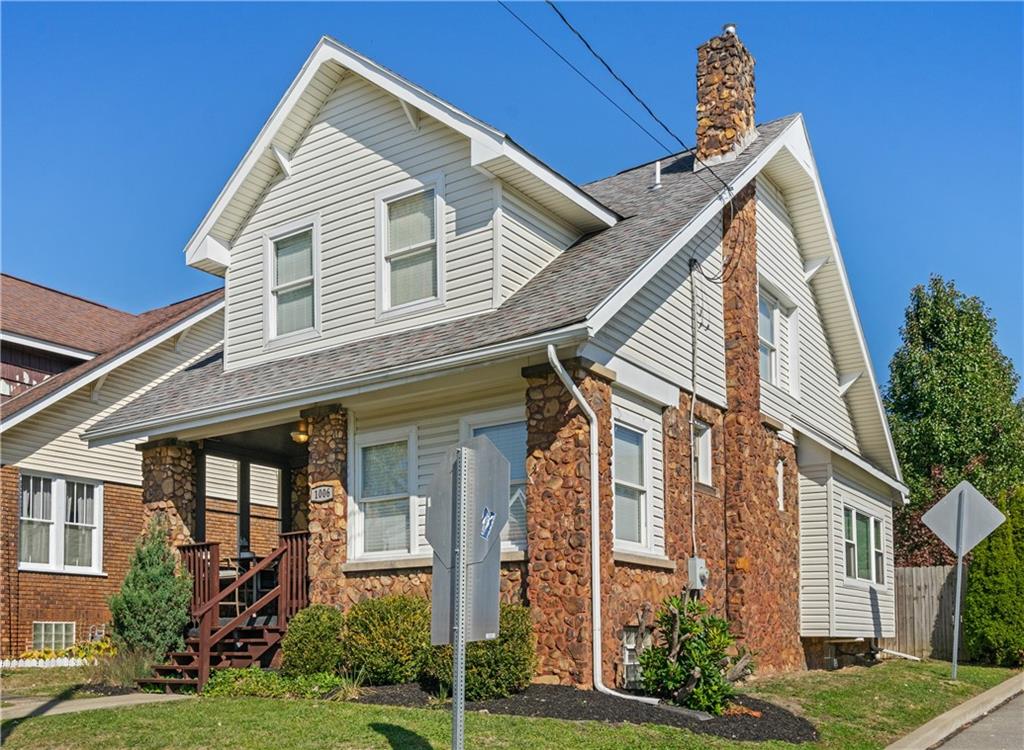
x,y
169,684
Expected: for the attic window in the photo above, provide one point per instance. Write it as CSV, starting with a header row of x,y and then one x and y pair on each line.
x,y
293,271
411,242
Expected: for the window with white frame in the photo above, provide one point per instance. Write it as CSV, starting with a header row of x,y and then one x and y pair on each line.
x,y
60,525
702,452
767,332
629,467
780,484
412,262
510,439
864,538
293,272
385,495
55,636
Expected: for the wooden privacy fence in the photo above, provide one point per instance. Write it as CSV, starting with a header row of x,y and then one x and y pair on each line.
x,y
924,611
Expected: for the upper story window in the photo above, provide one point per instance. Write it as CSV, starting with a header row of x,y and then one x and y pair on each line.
x,y
767,332
702,453
864,546
509,437
411,230
60,525
629,469
293,270
384,479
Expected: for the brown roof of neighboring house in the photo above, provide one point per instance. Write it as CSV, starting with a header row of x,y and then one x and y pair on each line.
x,y
36,311
146,325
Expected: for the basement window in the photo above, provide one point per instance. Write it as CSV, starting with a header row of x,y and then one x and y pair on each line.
x,y
631,658
55,636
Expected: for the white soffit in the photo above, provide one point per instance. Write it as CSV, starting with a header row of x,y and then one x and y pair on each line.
x,y
330,61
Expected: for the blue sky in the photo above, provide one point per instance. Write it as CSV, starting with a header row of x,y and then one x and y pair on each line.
x,y
121,123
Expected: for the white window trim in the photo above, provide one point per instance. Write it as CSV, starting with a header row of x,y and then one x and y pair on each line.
x,y
470,422
355,511
873,580
56,564
704,448
271,340
382,198
764,295
780,483
74,632
646,545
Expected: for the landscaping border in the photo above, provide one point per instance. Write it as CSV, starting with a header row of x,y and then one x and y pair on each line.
x,y
943,726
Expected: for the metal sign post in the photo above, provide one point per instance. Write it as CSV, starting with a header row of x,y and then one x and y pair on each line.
x,y
962,519
469,502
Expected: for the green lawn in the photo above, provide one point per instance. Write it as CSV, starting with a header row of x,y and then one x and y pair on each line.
x,y
71,682
853,708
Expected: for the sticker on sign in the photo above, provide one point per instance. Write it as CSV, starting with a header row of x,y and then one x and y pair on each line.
x,y
487,517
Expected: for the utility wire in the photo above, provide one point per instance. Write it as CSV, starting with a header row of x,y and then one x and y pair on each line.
x,y
632,93
583,76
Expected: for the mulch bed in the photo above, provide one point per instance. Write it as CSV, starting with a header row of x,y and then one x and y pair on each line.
x,y
565,702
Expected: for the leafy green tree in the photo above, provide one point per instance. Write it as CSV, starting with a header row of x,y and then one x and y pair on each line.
x,y
993,615
952,410
150,611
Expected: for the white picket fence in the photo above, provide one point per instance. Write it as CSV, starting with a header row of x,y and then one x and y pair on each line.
x,y
60,661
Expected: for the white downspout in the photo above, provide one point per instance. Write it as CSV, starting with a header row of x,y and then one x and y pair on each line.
x,y
595,533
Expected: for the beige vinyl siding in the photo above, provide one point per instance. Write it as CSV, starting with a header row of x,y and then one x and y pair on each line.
x,y
652,331
815,619
50,441
531,237
641,414
781,263
360,143
862,609
437,424
222,481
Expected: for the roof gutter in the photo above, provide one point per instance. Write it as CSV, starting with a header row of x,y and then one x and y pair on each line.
x,y
334,391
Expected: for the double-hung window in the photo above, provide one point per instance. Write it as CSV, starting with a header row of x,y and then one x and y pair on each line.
x,y
629,467
60,525
702,452
509,437
293,268
864,541
385,495
767,332
412,253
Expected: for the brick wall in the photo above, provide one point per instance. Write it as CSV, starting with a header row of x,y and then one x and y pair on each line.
x,y
222,526
30,596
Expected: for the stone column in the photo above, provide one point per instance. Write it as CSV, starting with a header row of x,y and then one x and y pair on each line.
x,y
299,505
558,521
328,521
169,487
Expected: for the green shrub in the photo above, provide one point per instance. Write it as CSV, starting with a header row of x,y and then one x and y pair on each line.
x,y
494,669
122,669
386,639
311,642
993,613
151,610
689,664
258,683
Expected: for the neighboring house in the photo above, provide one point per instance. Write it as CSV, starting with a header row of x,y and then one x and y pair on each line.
x,y
399,276
70,514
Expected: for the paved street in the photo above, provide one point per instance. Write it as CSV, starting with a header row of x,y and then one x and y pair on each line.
x,y
1003,729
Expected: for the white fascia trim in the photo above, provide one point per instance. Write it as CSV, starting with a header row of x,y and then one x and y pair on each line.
x,y
45,346
833,447
330,50
334,391
101,372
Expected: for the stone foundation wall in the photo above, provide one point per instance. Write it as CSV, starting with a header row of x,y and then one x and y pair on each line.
x,y
417,582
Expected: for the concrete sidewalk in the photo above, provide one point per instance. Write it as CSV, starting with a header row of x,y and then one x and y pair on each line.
x,y
24,708
1003,729
936,731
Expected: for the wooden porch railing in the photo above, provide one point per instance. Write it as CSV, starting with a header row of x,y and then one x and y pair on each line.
x,y
290,592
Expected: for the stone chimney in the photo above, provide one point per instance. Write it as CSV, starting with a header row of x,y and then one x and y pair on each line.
x,y
725,98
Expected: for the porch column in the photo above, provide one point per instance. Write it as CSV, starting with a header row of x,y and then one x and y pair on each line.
x,y
327,521
169,477
558,519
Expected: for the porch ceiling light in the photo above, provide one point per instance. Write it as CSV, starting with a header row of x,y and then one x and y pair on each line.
x,y
301,432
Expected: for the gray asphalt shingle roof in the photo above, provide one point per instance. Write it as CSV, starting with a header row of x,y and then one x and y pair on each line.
x,y
561,295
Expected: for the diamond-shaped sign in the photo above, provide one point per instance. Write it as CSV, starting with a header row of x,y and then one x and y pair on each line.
x,y
979,518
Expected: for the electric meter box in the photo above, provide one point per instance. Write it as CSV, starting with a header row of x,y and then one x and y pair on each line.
x,y
697,573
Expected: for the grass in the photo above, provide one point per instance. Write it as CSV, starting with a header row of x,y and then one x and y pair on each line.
x,y
854,708
46,683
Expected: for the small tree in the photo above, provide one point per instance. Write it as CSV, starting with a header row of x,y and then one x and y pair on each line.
x,y
952,408
994,603
150,612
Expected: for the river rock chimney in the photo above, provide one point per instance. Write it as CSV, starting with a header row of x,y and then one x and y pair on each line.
x,y
725,98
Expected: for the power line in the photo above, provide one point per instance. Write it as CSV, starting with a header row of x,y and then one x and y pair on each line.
x,y
632,93
583,76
